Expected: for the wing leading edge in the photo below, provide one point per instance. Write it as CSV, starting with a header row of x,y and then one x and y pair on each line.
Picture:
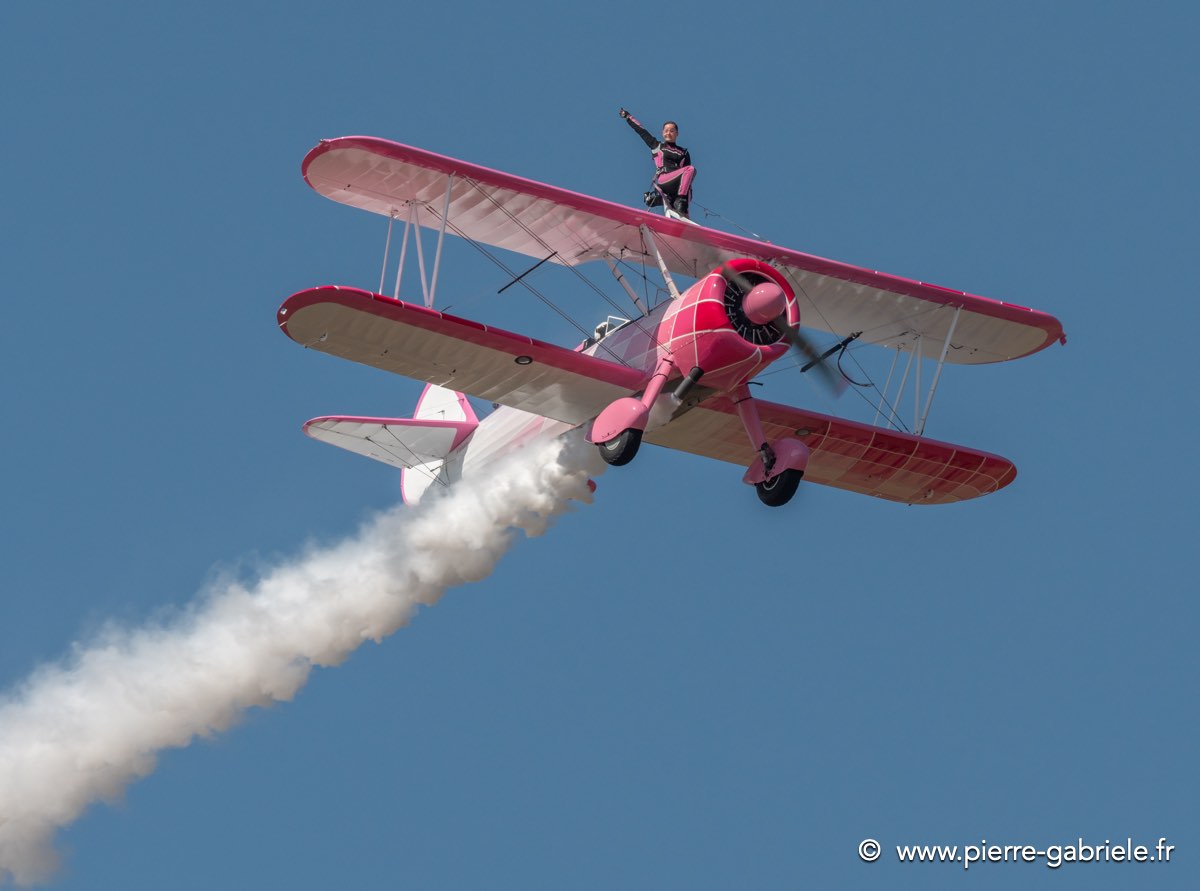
x,y
536,219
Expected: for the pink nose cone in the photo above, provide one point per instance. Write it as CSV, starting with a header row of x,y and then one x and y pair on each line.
x,y
764,303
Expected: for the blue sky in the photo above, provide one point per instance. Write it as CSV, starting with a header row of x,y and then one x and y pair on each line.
x,y
674,687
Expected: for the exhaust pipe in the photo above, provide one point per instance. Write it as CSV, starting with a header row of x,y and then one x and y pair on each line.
x,y
685,385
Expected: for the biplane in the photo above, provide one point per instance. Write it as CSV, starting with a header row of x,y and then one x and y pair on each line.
x,y
676,375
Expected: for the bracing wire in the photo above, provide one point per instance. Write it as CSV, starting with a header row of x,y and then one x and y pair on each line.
x,y
639,322
712,213
895,419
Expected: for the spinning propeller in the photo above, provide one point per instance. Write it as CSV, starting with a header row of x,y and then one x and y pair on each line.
x,y
763,307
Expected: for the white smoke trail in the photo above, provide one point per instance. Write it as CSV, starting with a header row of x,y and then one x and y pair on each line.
x,y
80,731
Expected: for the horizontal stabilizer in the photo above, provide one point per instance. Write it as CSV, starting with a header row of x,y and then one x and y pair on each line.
x,y
399,442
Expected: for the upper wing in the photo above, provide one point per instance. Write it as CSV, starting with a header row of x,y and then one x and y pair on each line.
x,y
845,454
441,349
539,220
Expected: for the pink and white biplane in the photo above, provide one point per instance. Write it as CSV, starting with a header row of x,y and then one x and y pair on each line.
x,y
678,375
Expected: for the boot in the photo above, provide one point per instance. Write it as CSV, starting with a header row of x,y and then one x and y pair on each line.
x,y
680,206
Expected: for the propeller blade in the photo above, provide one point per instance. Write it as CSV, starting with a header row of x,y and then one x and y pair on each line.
x,y
832,380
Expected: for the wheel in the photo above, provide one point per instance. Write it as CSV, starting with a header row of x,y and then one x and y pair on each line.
x,y
779,489
621,450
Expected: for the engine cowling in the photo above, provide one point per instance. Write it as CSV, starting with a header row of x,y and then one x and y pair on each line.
x,y
726,323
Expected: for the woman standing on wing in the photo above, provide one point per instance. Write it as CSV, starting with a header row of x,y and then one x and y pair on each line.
x,y
673,172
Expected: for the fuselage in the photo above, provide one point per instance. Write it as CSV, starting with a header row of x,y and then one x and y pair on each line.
x,y
700,329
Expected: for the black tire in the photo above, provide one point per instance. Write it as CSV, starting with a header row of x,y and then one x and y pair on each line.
x,y
622,449
779,489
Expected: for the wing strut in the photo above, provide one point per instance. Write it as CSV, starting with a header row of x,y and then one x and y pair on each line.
x,y
428,283
900,389
919,350
662,264
637,301
915,356
387,244
886,386
437,259
403,251
938,374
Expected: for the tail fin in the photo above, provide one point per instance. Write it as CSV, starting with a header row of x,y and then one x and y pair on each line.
x,y
436,404
419,446
439,404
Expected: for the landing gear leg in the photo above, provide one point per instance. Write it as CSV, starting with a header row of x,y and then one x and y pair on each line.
x,y
617,432
780,465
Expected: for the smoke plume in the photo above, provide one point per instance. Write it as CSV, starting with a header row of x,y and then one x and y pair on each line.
x,y
81,730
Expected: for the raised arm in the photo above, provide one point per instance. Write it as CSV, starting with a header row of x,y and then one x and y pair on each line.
x,y
640,130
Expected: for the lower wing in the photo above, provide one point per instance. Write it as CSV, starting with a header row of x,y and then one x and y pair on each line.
x,y
845,454
427,345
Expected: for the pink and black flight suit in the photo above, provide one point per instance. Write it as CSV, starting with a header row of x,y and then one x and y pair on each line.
x,y
673,172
